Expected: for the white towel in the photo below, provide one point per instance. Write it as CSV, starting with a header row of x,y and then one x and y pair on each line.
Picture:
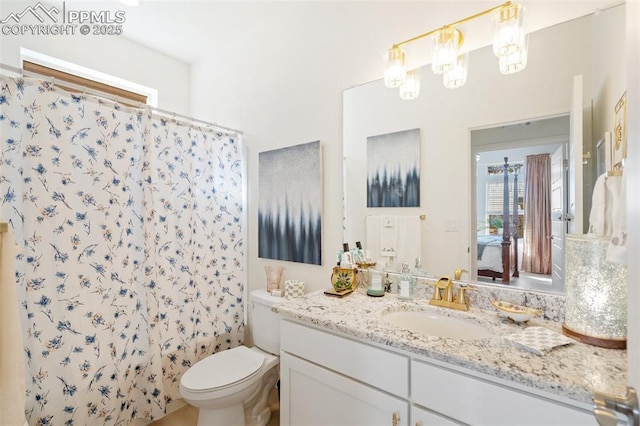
x,y
404,237
410,238
597,217
608,215
389,236
538,340
617,249
12,378
372,243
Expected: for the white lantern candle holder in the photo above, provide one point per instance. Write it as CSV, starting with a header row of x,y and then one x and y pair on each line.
x,y
596,293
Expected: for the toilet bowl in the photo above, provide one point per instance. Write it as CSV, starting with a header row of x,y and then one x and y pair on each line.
x,y
232,387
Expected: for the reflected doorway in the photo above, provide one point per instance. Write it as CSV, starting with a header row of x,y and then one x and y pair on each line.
x,y
489,147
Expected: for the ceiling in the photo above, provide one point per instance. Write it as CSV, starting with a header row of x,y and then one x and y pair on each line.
x,y
191,30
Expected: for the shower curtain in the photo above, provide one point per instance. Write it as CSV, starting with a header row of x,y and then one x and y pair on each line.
x,y
131,263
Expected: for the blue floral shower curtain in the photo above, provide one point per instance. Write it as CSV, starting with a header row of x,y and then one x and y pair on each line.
x,y
131,260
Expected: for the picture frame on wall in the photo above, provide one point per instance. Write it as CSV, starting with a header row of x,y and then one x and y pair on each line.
x,y
393,169
290,204
619,144
604,160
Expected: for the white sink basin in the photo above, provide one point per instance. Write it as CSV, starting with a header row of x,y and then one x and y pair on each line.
x,y
432,324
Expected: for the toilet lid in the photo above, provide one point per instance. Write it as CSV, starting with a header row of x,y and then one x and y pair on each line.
x,y
222,369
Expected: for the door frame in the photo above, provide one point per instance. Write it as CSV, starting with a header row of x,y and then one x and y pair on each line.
x,y
557,250
477,148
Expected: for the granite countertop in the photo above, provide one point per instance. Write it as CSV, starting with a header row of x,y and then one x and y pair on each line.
x,y
573,371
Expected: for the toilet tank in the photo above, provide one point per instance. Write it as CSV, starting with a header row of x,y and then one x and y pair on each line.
x,y
265,324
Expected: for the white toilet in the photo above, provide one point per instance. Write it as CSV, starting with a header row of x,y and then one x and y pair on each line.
x,y
231,388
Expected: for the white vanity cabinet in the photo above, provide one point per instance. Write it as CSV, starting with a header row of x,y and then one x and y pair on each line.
x,y
326,379
423,417
477,401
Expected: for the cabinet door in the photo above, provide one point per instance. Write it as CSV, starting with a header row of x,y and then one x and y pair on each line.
x,y
423,417
478,402
314,396
376,367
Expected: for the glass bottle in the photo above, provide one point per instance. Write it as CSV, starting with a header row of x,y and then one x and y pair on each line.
x,y
405,283
418,269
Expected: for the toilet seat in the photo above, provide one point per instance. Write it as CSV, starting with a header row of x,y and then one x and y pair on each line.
x,y
223,370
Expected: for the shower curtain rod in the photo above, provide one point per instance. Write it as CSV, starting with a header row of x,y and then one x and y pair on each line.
x,y
86,90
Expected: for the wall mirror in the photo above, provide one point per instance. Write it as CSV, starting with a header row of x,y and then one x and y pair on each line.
x,y
591,46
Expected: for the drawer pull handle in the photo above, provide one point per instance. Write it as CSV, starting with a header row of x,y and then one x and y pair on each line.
x,y
395,418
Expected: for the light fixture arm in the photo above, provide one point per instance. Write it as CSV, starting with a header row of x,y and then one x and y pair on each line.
x,y
453,24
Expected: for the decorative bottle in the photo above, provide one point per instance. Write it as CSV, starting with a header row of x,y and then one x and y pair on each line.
x,y
405,283
358,253
419,270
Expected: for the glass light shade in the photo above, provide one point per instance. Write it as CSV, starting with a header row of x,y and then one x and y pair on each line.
x,y
394,70
596,293
508,30
445,49
514,62
457,76
411,87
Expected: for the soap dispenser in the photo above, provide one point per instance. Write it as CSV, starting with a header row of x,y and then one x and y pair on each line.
x,y
405,283
418,269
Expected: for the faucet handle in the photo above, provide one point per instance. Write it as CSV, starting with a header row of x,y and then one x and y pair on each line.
x,y
460,296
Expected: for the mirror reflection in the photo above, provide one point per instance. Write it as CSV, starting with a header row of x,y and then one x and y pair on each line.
x,y
517,169
453,209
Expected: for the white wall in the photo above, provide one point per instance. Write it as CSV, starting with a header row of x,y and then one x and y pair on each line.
x,y
113,55
285,88
281,83
488,99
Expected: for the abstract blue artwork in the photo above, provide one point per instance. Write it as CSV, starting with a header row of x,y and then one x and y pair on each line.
x,y
393,169
290,204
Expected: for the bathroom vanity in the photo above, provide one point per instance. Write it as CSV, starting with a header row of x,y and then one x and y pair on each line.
x,y
342,363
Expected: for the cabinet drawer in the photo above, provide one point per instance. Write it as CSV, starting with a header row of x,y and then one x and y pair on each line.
x,y
422,417
314,396
377,367
485,403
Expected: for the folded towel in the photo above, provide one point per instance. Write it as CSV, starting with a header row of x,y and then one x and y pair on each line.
x,y
598,216
409,237
538,340
617,249
374,224
389,236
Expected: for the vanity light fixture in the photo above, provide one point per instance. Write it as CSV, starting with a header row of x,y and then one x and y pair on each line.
x,y
514,62
446,42
508,31
509,44
394,72
457,76
410,89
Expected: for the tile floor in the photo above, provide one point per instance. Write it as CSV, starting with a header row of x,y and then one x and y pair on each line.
x,y
188,416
